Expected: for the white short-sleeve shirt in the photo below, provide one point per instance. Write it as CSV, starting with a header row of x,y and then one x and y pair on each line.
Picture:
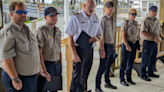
x,y
81,22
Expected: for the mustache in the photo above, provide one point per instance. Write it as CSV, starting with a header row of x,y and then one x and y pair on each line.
x,y
23,17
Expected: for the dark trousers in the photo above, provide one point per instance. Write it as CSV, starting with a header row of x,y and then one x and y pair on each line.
x,y
53,68
148,57
29,83
105,65
81,70
127,60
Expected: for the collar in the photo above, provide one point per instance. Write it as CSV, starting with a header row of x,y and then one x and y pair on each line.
x,y
131,21
152,18
49,27
107,16
16,25
84,14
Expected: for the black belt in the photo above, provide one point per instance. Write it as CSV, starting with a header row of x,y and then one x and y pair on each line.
x,y
132,42
55,62
108,44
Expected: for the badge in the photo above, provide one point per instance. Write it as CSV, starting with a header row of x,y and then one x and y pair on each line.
x,y
94,21
49,36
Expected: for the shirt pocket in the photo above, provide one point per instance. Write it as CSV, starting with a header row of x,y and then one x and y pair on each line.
x,y
94,27
58,34
34,43
82,27
22,46
108,26
58,40
49,44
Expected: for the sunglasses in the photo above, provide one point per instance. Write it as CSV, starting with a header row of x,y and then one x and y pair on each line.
x,y
20,12
134,14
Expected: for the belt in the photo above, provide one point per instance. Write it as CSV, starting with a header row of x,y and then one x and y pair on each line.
x,y
132,42
53,62
108,44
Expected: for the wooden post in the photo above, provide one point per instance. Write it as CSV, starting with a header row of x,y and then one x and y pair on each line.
x,y
2,89
33,26
162,43
1,10
69,62
161,12
115,17
81,6
161,18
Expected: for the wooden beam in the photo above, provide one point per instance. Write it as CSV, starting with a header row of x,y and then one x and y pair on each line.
x,y
161,19
1,10
2,89
161,12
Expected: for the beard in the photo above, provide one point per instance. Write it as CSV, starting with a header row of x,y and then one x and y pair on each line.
x,y
21,20
90,12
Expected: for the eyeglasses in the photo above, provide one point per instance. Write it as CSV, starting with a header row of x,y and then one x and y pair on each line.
x,y
20,12
134,14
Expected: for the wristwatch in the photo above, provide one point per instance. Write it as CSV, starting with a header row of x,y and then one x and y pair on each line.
x,y
98,37
15,80
44,71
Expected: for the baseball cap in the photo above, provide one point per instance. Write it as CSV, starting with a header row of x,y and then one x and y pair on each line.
x,y
50,11
153,8
109,3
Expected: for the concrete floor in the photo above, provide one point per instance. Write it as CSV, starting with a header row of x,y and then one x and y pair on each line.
x,y
156,85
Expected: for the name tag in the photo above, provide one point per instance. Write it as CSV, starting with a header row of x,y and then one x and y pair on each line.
x,y
95,22
49,37
82,22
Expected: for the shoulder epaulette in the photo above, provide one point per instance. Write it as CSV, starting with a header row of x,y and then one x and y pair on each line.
x,y
42,27
147,18
76,13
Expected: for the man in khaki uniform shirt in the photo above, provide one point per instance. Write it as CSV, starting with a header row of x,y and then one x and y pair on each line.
x,y
19,52
150,33
108,27
49,41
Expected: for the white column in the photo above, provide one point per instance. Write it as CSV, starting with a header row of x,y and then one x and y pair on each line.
x,y
66,15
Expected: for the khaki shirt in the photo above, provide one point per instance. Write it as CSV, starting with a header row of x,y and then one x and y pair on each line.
x,y
131,28
50,42
23,48
152,26
108,27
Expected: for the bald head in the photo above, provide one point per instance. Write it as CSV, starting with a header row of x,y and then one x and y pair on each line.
x,y
88,1
89,7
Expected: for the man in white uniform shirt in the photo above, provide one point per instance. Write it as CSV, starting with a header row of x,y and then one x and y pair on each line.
x,y
82,59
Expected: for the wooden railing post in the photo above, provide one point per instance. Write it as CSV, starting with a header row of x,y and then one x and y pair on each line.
x,y
162,43
33,26
2,89
69,62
